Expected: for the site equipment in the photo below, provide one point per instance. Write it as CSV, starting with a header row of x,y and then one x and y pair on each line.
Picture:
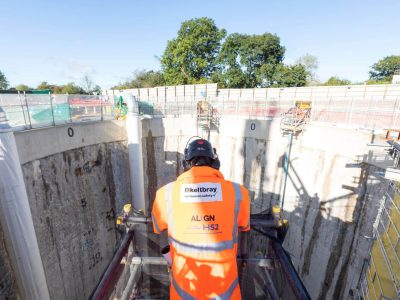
x,y
267,273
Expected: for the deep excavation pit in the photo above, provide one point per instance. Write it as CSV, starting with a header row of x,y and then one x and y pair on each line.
x,y
76,191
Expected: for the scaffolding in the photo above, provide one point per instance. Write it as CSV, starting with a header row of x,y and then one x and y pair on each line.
x,y
380,278
267,273
207,117
294,120
380,275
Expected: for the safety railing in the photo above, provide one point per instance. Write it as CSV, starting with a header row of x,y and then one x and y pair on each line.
x,y
368,113
33,110
27,111
353,112
267,274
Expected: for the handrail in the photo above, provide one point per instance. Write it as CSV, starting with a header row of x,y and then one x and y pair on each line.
x,y
110,275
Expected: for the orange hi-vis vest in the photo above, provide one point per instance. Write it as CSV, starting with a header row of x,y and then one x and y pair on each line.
x,y
202,213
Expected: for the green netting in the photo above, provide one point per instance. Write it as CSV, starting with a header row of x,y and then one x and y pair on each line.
x,y
61,113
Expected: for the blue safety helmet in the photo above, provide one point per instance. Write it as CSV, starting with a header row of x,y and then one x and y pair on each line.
x,y
201,153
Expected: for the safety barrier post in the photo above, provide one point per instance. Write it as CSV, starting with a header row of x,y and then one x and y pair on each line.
x,y
101,107
394,115
22,107
313,108
350,112
52,109
69,109
27,109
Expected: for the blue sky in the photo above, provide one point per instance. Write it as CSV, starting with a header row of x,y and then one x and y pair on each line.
x,y
61,41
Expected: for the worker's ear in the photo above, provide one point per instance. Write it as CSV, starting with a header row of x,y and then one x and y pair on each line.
x,y
186,165
216,164
185,152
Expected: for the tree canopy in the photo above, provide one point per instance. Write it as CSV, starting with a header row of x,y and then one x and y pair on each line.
x,y
69,88
288,76
142,79
199,54
384,69
249,60
190,57
310,63
23,87
89,86
3,82
335,80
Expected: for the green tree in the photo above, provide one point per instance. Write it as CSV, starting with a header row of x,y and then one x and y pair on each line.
x,y
190,57
384,69
96,90
55,89
23,87
310,63
71,88
334,80
3,82
373,81
89,86
289,76
249,60
143,79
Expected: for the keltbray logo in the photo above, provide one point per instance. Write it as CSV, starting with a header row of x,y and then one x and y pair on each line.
x,y
201,192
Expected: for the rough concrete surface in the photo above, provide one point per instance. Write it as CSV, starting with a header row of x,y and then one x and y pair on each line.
x,y
331,197
74,197
8,283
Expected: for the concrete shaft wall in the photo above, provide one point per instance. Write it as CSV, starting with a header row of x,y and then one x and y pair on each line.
x,y
331,195
8,283
332,199
77,178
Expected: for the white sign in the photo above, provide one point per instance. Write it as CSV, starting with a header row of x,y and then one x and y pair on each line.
x,y
201,192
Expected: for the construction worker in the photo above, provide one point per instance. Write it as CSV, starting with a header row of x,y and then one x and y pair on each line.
x,y
202,213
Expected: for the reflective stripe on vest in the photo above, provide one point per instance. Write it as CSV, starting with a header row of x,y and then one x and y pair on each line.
x,y
186,296
227,295
155,222
209,247
238,199
168,198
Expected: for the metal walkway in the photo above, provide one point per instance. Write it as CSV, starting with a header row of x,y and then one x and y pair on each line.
x,y
267,274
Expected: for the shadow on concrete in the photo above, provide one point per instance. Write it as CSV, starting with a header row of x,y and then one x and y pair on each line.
x,y
254,153
316,228
255,159
315,213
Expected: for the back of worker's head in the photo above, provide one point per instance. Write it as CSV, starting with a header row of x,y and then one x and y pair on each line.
x,y
200,153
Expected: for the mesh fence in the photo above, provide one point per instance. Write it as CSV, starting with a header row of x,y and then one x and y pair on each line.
x,y
39,110
367,113
32,111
